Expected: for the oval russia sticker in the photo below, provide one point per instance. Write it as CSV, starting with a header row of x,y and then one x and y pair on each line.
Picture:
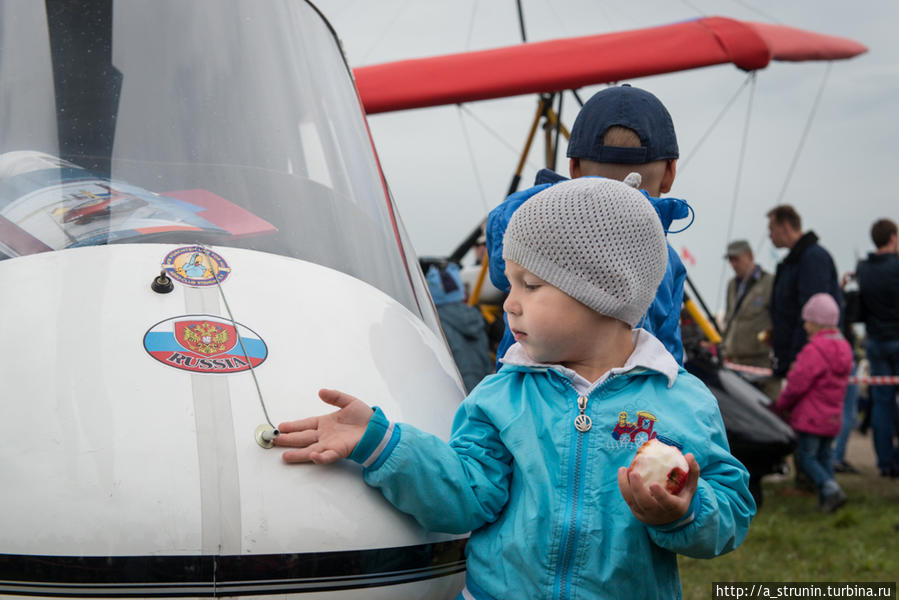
x,y
205,344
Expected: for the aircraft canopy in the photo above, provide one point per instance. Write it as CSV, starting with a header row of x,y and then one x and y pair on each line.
x,y
180,123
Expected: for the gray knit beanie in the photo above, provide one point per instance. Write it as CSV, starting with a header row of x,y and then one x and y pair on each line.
x,y
598,240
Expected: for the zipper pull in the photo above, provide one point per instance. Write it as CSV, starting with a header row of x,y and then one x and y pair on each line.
x,y
582,422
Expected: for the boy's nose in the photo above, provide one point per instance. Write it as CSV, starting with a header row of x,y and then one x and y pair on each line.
x,y
510,305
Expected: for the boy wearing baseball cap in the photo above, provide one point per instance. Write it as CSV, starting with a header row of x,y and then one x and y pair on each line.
x,y
536,463
620,130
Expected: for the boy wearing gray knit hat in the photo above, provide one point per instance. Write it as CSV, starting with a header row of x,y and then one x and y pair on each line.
x,y
595,239
536,449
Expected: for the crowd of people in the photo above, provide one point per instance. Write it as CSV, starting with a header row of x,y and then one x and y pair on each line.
x,y
536,466
767,324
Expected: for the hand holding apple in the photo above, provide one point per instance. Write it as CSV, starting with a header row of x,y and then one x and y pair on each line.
x,y
660,463
659,484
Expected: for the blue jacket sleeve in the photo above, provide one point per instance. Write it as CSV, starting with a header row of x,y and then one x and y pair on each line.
x,y
722,508
451,487
663,317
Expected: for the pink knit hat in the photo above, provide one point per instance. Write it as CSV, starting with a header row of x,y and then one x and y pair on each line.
x,y
821,309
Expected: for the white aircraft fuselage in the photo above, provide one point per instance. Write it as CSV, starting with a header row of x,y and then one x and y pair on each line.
x,y
195,237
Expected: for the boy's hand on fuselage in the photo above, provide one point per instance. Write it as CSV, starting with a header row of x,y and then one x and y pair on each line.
x,y
326,438
653,504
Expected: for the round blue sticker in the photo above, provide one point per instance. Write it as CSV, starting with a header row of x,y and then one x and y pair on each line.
x,y
196,266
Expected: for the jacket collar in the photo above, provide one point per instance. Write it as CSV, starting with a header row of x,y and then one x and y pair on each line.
x,y
669,209
808,239
649,354
876,257
754,276
831,333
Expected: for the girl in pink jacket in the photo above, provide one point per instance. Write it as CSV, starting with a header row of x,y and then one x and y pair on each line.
x,y
816,386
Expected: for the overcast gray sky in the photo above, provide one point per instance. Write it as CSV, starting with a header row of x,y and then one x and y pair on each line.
x,y
447,166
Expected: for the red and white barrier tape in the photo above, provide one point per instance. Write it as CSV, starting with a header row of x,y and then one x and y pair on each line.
x,y
865,379
876,380
765,372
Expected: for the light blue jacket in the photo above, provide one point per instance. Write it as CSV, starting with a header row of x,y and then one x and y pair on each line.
x,y
541,498
662,318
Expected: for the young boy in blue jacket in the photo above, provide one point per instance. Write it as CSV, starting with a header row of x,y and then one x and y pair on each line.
x,y
620,130
536,463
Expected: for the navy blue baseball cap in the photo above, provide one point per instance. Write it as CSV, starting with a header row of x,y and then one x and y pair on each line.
x,y
628,107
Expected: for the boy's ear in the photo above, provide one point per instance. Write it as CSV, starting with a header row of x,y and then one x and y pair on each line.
x,y
668,177
574,168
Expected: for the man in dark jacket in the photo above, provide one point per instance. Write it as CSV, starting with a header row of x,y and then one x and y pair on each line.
x,y
807,270
878,284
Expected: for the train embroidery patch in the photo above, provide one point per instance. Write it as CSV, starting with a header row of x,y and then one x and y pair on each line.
x,y
196,266
639,431
205,344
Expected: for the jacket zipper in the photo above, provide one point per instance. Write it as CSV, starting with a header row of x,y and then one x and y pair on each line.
x,y
582,424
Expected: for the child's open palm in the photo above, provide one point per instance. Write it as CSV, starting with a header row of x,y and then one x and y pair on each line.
x,y
326,438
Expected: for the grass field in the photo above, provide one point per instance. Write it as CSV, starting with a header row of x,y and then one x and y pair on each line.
x,y
790,541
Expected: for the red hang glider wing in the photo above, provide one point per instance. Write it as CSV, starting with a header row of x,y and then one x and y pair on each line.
x,y
575,62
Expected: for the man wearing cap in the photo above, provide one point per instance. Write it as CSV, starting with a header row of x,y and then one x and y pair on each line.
x,y
619,131
746,315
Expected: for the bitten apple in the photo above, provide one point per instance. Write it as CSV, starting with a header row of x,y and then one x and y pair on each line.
x,y
658,462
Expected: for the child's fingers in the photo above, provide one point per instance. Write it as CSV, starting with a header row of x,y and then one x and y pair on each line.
x,y
680,503
332,397
625,486
664,500
693,475
324,458
299,425
644,500
335,398
634,492
297,439
297,456
315,452
652,503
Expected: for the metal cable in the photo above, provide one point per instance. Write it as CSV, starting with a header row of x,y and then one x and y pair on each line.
x,y
494,133
808,126
474,163
733,203
237,331
683,163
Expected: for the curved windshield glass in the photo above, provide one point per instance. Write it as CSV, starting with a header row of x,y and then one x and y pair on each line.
x,y
223,122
